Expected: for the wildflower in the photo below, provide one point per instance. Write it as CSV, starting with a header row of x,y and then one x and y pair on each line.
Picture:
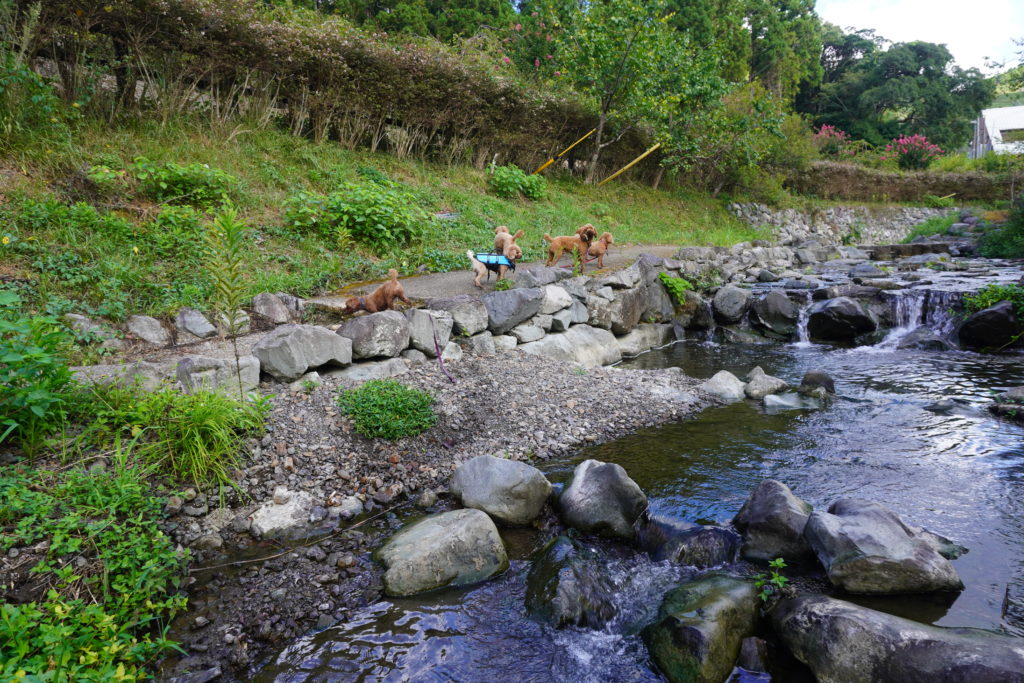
x,y
75,105
549,57
519,27
536,63
135,250
506,60
6,240
558,73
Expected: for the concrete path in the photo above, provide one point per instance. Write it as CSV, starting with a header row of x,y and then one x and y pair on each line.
x,y
440,285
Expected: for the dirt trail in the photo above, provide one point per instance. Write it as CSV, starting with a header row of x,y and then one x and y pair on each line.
x,y
438,285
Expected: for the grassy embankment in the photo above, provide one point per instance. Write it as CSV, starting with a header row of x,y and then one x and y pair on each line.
x,y
129,253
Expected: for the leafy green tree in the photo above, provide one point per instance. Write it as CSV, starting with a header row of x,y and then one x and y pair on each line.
x,y
785,44
910,88
617,52
718,26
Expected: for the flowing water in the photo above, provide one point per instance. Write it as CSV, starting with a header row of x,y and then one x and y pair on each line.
x,y
958,472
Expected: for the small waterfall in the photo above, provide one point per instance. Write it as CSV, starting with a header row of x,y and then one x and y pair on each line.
x,y
908,314
942,312
803,337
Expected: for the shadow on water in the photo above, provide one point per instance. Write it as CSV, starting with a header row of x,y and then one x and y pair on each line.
x,y
959,472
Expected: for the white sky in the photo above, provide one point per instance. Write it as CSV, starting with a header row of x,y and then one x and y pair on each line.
x,y
974,31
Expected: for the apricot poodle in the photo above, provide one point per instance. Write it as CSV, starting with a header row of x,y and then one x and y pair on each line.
x,y
381,299
600,247
578,244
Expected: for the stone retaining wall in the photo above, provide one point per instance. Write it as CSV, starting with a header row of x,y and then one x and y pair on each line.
x,y
837,225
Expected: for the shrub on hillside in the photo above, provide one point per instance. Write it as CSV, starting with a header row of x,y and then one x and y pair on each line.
x,y
383,408
1006,241
511,181
193,184
30,111
33,372
380,216
912,152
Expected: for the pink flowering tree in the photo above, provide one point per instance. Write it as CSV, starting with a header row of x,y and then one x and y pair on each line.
x,y
831,141
912,152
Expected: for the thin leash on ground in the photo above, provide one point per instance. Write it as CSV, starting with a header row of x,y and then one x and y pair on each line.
x,y
437,350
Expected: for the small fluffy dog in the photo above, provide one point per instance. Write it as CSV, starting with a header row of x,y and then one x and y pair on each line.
x,y
502,238
578,243
494,262
381,299
597,249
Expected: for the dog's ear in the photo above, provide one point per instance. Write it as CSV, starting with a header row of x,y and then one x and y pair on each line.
x,y
501,229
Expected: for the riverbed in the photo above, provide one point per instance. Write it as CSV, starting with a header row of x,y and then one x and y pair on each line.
x,y
952,468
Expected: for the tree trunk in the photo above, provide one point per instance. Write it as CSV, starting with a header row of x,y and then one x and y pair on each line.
x,y
657,177
592,166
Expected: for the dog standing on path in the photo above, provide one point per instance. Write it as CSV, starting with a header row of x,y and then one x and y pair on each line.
x,y
597,249
578,243
381,299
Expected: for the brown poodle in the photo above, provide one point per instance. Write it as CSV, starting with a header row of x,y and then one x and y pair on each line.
x,y
381,299
598,248
502,238
579,244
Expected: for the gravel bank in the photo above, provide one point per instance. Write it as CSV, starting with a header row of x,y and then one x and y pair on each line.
x,y
519,406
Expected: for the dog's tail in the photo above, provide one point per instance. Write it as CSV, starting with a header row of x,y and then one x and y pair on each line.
x,y
393,275
547,238
471,256
519,233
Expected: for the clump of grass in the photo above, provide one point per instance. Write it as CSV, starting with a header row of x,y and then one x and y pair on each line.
x,y
936,225
990,295
195,437
386,409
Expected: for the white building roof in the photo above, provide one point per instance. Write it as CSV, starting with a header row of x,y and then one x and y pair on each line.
x,y
1003,119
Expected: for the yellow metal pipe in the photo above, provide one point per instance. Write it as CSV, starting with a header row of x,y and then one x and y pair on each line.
x,y
563,152
629,165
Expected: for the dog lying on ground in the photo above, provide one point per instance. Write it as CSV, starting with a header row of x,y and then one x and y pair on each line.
x,y
499,263
381,299
578,244
502,238
597,249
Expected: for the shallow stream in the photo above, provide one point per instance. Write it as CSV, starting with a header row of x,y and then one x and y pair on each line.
x,y
958,472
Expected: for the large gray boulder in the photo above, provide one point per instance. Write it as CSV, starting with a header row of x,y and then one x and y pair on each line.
x,y
602,499
555,299
866,548
730,303
700,627
377,335
450,549
992,328
759,384
566,586
687,544
842,642
363,372
481,344
839,319
285,518
424,325
694,313
775,314
507,309
149,330
583,344
628,308
199,373
645,337
511,492
469,315
270,307
925,338
772,522
725,386
291,351
192,322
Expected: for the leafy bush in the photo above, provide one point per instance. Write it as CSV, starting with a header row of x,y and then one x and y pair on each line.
x,y
992,294
381,216
106,179
194,184
386,409
191,437
939,202
676,286
912,152
33,372
831,141
29,108
1006,241
104,619
511,181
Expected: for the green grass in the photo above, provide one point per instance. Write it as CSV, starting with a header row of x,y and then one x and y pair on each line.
x,y
118,252
936,225
386,409
106,582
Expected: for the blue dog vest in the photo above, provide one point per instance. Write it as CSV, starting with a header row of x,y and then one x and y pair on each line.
x,y
494,261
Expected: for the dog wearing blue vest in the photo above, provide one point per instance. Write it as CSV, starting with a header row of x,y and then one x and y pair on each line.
x,y
506,253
